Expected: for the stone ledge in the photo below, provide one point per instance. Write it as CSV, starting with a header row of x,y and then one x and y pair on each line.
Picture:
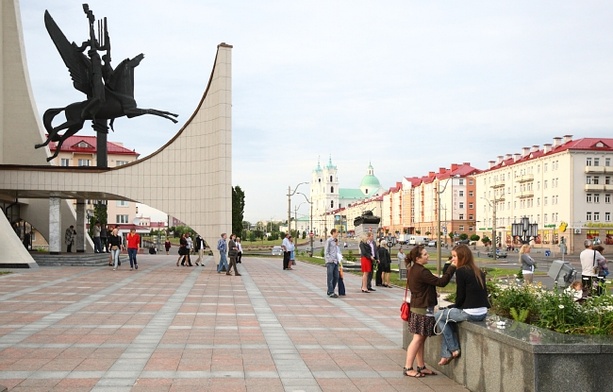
x,y
522,358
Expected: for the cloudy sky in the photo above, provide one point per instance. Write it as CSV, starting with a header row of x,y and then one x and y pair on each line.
x,y
408,85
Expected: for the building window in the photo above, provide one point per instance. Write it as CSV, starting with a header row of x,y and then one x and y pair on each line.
x,y
588,216
331,179
607,217
471,217
544,167
461,205
331,189
596,161
607,180
461,181
331,203
607,198
545,184
461,228
596,216
596,197
588,161
461,216
83,162
596,180
123,218
588,198
120,163
65,162
461,193
122,203
545,200
471,193
471,206
607,161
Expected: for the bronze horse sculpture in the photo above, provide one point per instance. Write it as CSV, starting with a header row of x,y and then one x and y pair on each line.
x,y
110,91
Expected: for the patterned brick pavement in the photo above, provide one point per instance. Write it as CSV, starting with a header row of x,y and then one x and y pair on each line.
x,y
168,328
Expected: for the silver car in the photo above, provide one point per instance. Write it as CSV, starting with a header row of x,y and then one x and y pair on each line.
x,y
277,251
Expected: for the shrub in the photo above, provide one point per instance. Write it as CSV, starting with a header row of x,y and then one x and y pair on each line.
x,y
553,309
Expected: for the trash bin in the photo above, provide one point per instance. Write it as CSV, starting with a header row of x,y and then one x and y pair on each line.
x,y
403,273
562,273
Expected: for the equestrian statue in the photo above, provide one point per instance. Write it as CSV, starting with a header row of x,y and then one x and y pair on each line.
x,y
110,92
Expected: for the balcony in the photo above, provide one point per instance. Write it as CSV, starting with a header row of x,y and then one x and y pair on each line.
x,y
499,185
525,178
525,194
599,169
598,187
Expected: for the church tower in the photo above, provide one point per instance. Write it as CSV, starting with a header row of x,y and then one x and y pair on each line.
x,y
370,185
324,193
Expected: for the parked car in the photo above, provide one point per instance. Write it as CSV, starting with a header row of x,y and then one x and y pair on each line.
x,y
500,254
277,251
432,243
465,242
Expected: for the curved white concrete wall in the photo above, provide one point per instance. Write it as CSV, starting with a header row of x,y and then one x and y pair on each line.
x,y
189,178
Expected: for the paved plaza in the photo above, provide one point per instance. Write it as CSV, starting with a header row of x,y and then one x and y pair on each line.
x,y
168,328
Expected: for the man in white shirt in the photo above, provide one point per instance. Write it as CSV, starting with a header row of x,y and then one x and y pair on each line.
x,y
589,274
331,257
288,247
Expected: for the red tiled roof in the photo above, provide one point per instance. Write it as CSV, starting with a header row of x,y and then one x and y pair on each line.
x,y
72,144
585,144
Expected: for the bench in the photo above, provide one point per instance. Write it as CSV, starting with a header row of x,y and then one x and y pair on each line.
x,y
518,357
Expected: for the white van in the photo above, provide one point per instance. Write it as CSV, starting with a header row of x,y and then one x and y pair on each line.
x,y
418,240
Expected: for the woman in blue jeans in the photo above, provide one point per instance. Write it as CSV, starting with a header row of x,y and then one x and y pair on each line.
x,y
471,302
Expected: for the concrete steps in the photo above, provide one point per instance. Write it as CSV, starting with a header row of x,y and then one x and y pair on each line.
x,y
73,259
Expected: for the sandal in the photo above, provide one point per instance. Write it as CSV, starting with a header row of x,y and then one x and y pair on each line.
x,y
444,361
427,372
416,375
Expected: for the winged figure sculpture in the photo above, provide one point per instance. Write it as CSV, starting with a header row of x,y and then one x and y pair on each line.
x,y
110,92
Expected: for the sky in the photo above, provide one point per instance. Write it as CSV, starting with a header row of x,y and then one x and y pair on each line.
x,y
409,86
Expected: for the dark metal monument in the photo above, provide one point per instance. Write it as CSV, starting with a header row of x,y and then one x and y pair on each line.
x,y
110,92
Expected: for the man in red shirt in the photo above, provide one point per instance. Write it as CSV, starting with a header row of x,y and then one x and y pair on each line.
x,y
133,240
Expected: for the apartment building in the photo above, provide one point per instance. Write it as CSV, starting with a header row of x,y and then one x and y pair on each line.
x,y
80,150
565,188
411,206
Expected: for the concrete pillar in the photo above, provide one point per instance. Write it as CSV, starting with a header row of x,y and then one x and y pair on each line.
x,y
55,226
80,227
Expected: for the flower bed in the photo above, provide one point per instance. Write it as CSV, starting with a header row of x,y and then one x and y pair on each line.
x,y
553,309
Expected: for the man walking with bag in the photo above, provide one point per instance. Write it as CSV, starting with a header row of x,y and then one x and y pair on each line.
x,y
222,247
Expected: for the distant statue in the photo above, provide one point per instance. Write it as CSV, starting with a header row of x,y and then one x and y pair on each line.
x,y
110,92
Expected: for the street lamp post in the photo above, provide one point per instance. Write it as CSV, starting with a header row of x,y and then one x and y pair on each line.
x,y
438,227
525,230
311,232
289,205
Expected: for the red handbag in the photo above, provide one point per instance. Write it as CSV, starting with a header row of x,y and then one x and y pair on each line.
x,y
405,308
405,311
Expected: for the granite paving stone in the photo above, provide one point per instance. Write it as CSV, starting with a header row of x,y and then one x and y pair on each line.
x,y
164,328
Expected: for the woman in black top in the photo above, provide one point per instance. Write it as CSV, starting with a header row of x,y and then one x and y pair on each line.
x,y
385,264
471,302
115,245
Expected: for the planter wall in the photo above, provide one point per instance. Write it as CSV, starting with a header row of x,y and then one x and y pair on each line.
x,y
522,358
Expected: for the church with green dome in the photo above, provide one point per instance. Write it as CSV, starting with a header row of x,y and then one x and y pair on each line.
x,y
328,196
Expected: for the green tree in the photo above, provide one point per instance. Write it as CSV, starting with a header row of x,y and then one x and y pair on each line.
x,y
238,209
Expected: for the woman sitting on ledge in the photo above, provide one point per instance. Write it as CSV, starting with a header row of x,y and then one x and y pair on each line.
x,y
471,302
